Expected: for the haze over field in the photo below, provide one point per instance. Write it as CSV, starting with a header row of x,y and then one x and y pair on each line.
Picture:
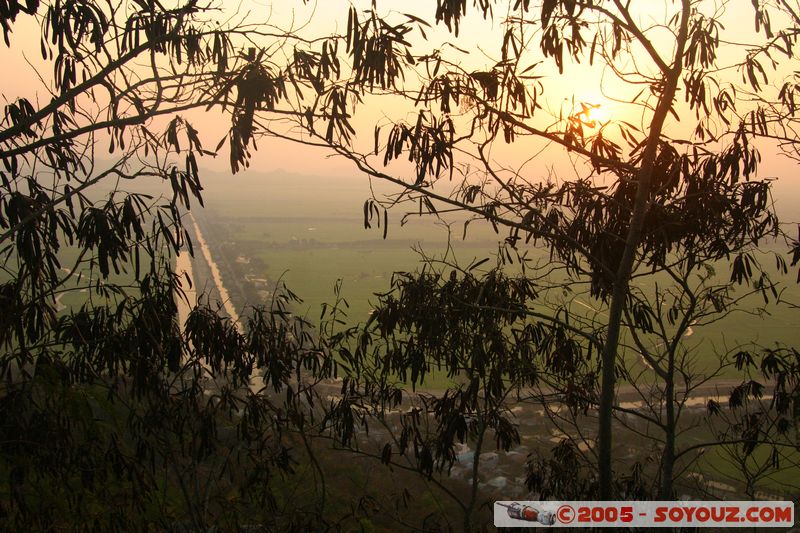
x,y
308,231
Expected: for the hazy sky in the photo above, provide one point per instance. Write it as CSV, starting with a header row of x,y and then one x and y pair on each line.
x,y
480,41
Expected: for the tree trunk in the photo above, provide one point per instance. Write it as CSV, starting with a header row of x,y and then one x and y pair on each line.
x,y
620,288
668,454
476,461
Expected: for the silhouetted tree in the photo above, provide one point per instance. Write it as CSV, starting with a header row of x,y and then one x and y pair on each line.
x,y
642,195
115,416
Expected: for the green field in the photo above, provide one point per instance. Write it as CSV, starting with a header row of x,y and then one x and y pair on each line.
x,y
309,233
81,285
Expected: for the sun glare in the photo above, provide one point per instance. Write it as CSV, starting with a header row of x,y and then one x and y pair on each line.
x,y
595,115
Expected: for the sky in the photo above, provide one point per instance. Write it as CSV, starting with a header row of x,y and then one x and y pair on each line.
x,y
477,46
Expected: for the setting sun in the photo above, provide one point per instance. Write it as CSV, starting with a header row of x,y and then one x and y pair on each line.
x,y
600,114
594,115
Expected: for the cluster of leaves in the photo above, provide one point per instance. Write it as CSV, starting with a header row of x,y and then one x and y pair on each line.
x,y
479,330
9,11
565,475
376,49
428,144
753,420
116,423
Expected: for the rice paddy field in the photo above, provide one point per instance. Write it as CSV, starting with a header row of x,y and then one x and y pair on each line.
x,y
309,232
